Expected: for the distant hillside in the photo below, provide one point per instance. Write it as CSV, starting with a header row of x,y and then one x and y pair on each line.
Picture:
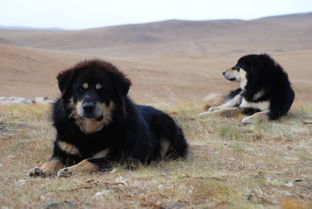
x,y
176,37
26,28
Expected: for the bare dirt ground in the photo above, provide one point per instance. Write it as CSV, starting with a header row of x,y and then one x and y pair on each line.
x,y
32,72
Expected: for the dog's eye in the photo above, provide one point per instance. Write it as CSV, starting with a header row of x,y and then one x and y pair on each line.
x,y
85,85
98,86
235,68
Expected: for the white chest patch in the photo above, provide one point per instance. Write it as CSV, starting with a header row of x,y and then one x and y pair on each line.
x,y
259,105
243,78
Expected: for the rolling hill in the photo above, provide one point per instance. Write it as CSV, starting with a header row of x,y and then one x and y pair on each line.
x,y
176,37
167,61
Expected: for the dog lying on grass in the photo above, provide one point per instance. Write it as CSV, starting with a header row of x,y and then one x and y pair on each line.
x,y
265,91
98,125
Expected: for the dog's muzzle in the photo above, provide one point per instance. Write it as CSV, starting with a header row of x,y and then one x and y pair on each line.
x,y
88,107
90,110
231,76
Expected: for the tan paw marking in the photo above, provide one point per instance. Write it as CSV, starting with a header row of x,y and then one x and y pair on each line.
x,y
36,172
84,166
48,169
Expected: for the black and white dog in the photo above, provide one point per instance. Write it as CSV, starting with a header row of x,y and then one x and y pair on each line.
x,y
265,91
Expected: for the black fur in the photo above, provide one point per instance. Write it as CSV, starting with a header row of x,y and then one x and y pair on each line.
x,y
134,132
266,75
232,94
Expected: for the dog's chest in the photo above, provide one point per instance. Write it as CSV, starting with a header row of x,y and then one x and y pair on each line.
x,y
89,126
95,153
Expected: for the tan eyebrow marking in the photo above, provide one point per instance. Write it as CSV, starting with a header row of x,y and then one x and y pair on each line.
x,y
98,86
85,85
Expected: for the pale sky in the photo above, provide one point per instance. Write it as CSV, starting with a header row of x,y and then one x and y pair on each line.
x,y
80,14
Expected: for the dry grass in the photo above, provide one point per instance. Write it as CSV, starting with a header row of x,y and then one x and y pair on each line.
x,y
230,165
265,165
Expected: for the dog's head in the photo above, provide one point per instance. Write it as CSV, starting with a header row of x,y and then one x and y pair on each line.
x,y
233,74
91,90
250,68
237,74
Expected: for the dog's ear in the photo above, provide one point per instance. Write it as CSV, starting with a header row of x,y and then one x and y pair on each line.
x,y
122,83
64,79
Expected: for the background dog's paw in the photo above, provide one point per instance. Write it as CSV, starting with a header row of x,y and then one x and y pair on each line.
x,y
247,120
36,172
212,109
204,114
64,172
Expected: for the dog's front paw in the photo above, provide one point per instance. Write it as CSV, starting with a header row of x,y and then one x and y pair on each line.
x,y
212,109
37,172
64,172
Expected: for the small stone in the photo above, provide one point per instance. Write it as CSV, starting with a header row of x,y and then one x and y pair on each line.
x,y
43,100
289,184
15,100
121,180
102,193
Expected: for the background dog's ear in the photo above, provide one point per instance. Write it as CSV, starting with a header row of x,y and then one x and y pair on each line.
x,y
64,80
123,84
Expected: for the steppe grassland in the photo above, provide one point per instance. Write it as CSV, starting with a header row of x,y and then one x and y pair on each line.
x,y
263,165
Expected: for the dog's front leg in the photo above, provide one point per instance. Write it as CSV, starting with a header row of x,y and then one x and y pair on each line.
x,y
49,168
259,116
226,112
235,101
89,165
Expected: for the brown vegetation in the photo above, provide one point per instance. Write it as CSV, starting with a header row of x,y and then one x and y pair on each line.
x,y
263,165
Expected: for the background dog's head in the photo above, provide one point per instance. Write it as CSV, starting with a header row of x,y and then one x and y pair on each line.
x,y
251,68
237,74
232,74
91,89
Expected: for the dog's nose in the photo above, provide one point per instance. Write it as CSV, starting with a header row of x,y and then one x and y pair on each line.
x,y
88,107
223,73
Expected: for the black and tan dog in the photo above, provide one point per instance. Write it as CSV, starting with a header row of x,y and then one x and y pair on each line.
x,y
98,125
265,91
